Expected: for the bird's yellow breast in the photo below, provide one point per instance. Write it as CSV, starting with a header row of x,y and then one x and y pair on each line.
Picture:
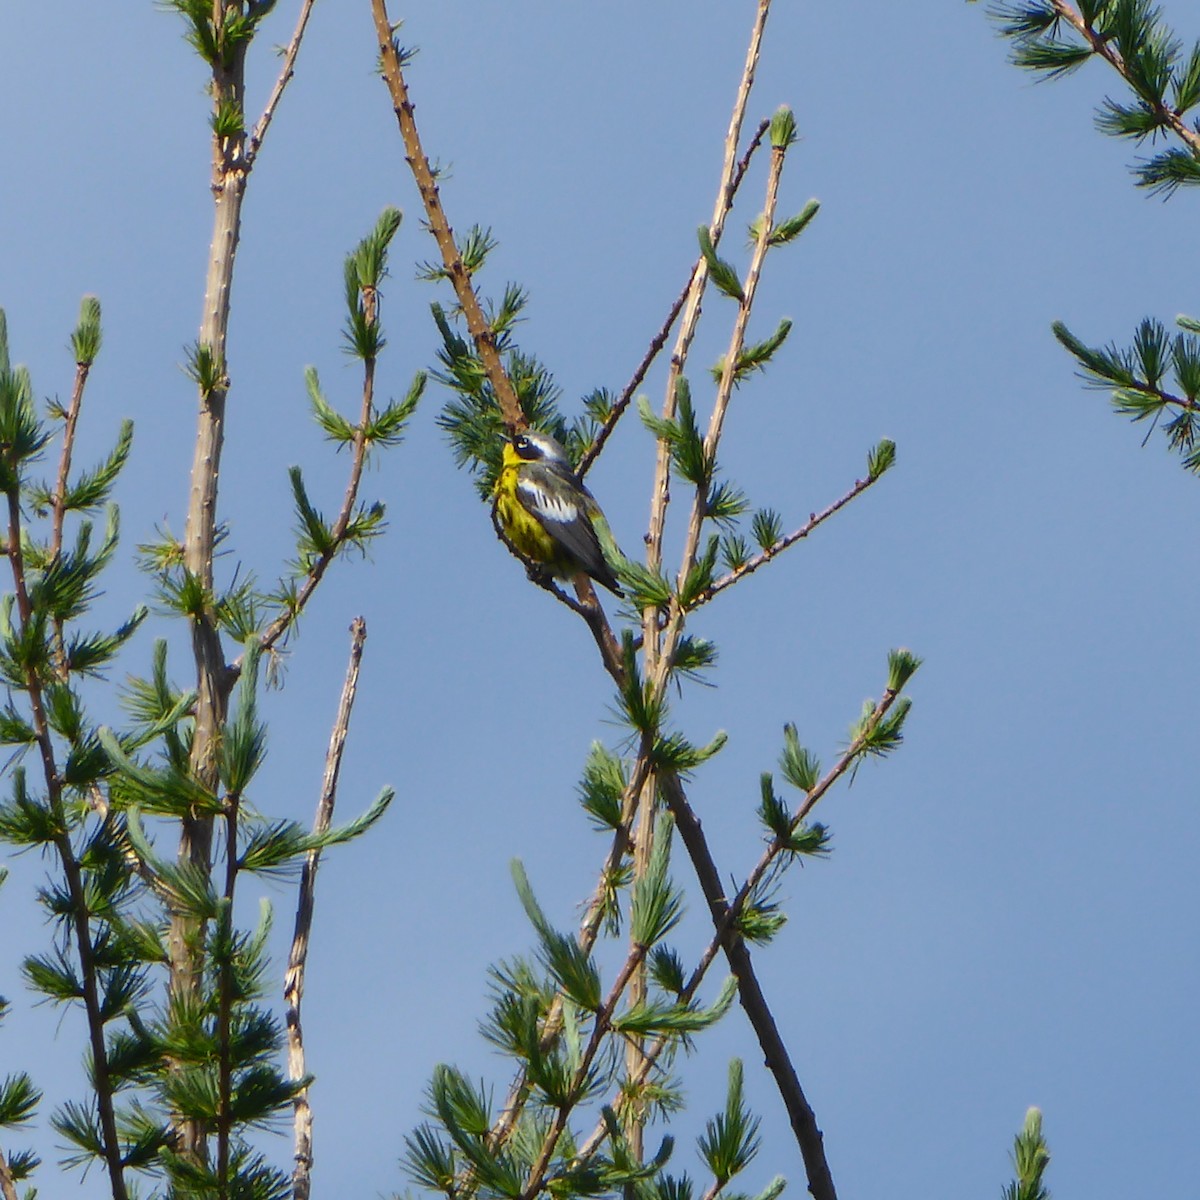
x,y
524,531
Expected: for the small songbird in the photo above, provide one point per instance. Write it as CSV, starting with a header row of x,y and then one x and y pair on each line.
x,y
544,512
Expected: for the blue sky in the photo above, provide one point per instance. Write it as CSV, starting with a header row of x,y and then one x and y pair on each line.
x,y
1005,920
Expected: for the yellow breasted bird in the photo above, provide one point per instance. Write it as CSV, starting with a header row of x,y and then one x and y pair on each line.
x,y
544,511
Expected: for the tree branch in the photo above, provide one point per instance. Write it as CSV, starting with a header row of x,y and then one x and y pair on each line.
x,y
660,495
214,679
777,548
337,535
1103,47
80,916
659,340
293,986
778,1061
737,341
254,142
481,332
600,1028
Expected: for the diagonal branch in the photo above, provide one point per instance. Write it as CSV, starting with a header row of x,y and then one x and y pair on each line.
x,y
775,1054
1106,50
255,141
660,338
589,931
776,548
481,332
600,1028
339,533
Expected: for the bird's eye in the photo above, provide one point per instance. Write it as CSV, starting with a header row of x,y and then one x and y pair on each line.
x,y
522,445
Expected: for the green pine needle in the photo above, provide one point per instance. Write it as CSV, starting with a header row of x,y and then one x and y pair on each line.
x,y
724,277
602,787
1031,1157
766,528
902,664
788,230
205,368
731,1139
783,128
656,906
881,458
800,767
561,955
86,339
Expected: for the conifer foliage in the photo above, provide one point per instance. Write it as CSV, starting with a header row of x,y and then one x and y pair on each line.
x,y
1156,379
150,823
151,817
595,1034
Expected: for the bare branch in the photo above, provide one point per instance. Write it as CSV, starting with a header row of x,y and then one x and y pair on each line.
x,y
659,340
724,394
214,680
285,77
773,551
660,496
293,986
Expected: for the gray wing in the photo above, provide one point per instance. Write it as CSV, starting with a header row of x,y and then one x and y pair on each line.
x,y
559,503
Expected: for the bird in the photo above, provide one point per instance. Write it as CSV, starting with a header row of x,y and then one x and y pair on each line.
x,y
542,510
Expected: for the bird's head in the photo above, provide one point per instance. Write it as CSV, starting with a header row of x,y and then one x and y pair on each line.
x,y
529,446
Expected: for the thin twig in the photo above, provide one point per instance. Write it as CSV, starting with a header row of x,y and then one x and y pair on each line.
x,y
254,142
58,503
59,500
660,338
341,526
482,334
293,986
737,341
776,548
622,402
660,496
